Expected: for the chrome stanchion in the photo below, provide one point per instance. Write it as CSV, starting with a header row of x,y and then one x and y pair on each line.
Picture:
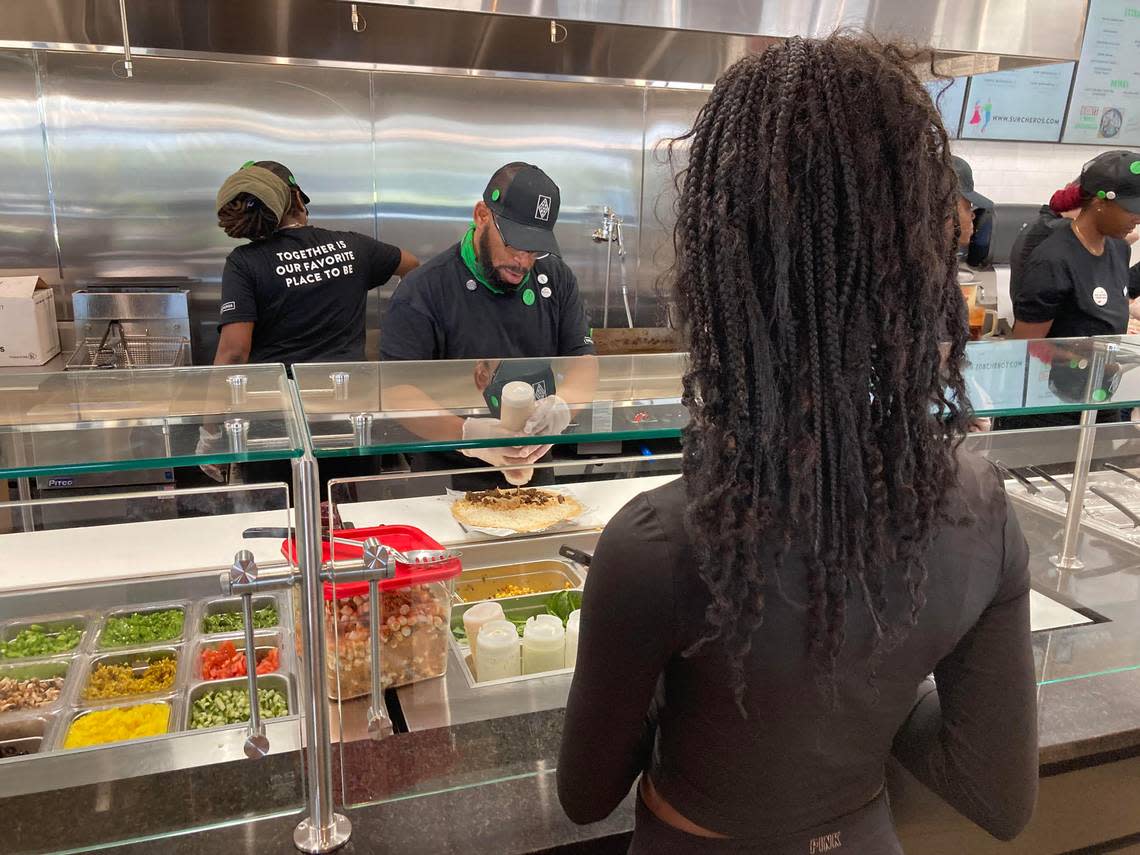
x,y
1067,559
323,830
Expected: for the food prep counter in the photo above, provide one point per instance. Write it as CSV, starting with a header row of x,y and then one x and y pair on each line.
x,y
111,679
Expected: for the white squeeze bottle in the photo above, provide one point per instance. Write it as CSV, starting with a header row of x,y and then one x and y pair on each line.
x,y
572,637
515,408
499,654
474,619
543,645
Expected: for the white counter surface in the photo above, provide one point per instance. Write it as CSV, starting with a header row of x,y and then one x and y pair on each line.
x,y
122,551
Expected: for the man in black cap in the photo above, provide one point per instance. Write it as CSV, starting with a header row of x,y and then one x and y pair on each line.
x,y
501,292
975,217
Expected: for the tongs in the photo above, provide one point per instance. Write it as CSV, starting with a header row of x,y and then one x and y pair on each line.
x,y
1030,487
417,558
110,351
1041,473
1116,503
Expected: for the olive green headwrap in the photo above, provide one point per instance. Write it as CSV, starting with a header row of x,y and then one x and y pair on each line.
x,y
273,191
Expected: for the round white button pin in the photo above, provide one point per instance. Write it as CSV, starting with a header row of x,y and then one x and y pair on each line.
x,y
471,286
545,292
1100,296
542,280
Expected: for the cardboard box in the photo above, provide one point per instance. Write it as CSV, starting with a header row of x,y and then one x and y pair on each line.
x,y
28,332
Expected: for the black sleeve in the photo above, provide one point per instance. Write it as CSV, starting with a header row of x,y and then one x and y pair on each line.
x,y
382,260
574,324
1134,282
239,294
409,331
973,739
627,606
1045,286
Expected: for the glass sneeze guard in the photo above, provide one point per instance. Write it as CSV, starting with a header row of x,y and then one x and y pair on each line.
x,y
59,423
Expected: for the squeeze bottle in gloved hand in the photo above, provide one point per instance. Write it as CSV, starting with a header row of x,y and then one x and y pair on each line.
x,y
517,405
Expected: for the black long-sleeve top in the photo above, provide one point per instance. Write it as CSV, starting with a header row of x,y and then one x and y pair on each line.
x,y
797,760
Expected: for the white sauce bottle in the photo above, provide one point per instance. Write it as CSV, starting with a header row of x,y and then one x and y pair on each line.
x,y
543,645
499,651
572,637
515,408
474,619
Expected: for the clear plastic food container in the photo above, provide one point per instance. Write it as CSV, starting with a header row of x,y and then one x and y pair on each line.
x,y
415,617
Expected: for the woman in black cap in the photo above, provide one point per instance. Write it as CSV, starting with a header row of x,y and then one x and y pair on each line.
x,y
295,292
753,634
1077,283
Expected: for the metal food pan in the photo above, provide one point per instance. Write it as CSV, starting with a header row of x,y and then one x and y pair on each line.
x,y
263,640
24,669
24,736
281,682
12,628
138,659
125,611
544,577
233,604
170,700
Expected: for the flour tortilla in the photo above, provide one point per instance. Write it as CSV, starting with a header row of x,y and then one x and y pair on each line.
x,y
523,519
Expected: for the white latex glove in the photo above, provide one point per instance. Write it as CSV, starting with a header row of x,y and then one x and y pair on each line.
x,y
210,443
551,416
508,455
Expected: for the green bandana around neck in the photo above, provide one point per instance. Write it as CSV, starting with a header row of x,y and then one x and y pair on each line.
x,y
467,253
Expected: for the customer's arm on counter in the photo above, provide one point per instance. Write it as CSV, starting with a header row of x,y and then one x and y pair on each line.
x,y
627,606
972,735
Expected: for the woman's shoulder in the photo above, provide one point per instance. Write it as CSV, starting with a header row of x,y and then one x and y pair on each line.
x,y
656,514
980,490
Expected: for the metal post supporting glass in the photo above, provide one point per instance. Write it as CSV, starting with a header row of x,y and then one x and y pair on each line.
x,y
1067,559
323,830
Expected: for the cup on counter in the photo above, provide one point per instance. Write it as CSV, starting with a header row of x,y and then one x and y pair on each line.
x,y
543,645
475,618
499,651
572,637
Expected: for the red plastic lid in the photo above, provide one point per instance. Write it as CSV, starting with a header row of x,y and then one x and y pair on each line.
x,y
402,537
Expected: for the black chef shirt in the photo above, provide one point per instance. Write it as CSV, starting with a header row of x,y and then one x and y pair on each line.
x,y
439,311
1081,293
1027,240
305,290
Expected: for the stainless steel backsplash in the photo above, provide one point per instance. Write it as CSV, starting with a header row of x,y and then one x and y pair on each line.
x,y
125,171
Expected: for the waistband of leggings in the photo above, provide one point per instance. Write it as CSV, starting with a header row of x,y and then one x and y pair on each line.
x,y
849,833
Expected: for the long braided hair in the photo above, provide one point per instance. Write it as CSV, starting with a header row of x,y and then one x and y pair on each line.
x,y
815,267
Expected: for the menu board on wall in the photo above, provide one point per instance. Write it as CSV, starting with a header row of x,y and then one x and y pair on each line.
x,y
949,96
1023,104
1105,108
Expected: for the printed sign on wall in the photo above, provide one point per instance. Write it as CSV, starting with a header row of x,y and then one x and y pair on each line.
x,y
1024,104
1105,107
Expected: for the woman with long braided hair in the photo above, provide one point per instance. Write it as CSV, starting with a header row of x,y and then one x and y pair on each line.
x,y
754,633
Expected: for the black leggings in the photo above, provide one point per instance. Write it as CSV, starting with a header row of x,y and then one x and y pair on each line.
x,y
866,831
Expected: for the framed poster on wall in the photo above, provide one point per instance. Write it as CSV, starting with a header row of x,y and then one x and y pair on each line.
x,y
1023,104
1105,107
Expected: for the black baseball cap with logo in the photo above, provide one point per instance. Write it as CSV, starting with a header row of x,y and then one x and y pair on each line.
x,y
1115,176
524,202
966,185
282,172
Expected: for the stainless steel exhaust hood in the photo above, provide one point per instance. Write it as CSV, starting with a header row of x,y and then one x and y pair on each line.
x,y
674,41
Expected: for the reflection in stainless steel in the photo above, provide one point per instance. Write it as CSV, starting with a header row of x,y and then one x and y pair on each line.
x,y
1044,28
439,139
26,239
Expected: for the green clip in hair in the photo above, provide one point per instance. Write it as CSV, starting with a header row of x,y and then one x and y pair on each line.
x,y
495,194
292,180
248,164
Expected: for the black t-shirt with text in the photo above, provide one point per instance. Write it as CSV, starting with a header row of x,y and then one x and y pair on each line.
x,y
305,291
1081,293
439,311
